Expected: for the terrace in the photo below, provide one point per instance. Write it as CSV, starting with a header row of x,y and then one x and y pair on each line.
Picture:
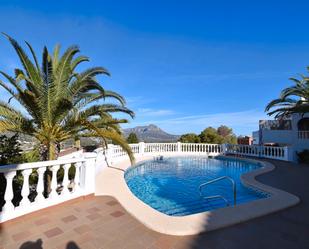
x,y
204,191
78,209
101,222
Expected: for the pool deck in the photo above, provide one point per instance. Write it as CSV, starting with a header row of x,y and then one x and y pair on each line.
x,y
101,222
194,223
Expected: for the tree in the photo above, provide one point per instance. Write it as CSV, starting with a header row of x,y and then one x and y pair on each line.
x,y
224,131
190,138
227,134
59,102
10,151
210,135
231,139
294,99
221,135
132,138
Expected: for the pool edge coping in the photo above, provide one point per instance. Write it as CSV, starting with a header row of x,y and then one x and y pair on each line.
x,y
200,222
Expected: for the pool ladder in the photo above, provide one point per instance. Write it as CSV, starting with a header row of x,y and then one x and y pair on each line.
x,y
219,196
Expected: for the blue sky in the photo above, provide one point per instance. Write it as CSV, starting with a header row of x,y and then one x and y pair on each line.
x,y
182,66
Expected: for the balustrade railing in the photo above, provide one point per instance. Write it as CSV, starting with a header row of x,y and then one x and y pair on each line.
x,y
115,151
28,187
160,147
280,153
201,148
303,134
272,152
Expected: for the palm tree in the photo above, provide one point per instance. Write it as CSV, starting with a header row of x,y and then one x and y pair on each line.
x,y
294,99
59,103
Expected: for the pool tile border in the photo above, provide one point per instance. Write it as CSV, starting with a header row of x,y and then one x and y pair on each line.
x,y
111,182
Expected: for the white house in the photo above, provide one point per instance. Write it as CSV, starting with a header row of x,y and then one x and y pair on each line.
x,y
292,132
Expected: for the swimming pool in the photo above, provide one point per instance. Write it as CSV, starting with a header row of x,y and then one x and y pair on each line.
x,y
171,185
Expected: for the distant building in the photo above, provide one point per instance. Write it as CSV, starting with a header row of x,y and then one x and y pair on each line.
x,y
255,138
246,140
292,132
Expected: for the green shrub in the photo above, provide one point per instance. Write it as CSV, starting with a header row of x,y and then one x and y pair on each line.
x,y
303,157
10,152
132,138
31,156
189,138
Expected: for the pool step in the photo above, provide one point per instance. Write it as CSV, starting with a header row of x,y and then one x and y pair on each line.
x,y
197,206
215,204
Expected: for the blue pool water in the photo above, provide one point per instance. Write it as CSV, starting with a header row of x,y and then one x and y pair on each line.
x,y
171,186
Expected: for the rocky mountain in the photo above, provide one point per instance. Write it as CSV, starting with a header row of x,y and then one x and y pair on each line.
x,y
151,133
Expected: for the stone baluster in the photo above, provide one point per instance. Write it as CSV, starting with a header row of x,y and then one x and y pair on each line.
x,y
286,155
77,177
8,196
66,181
141,148
54,184
25,188
40,185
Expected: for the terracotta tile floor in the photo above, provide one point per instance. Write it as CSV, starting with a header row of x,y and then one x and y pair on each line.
x,y
101,223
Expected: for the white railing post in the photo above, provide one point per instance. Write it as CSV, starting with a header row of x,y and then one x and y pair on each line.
x,y
77,177
25,188
286,153
65,183
87,175
40,185
54,185
8,196
141,148
109,154
178,146
223,149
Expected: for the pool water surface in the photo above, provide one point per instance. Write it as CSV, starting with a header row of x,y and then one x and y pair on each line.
x,y
171,185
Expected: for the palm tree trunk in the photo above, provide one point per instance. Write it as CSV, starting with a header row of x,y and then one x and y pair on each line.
x,y
57,150
43,152
77,143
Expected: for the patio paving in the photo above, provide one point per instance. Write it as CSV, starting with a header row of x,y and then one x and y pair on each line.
x,y
101,222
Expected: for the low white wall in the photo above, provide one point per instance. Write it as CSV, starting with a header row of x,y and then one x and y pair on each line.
x,y
82,184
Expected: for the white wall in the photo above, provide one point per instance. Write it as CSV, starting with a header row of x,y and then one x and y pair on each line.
x,y
287,137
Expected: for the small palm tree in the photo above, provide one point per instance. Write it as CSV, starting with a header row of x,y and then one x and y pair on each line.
x,y
294,99
59,103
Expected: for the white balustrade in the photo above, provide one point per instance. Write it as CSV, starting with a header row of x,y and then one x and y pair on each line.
x,y
25,188
10,210
40,185
280,153
65,183
272,152
9,194
77,177
53,194
303,134
135,148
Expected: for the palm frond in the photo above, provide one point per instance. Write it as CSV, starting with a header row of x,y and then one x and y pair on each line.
x,y
112,135
25,61
34,56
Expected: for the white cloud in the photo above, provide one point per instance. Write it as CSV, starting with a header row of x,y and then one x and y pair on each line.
x,y
138,100
231,76
142,112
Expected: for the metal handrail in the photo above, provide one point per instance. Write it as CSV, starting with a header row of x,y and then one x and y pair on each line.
x,y
219,196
